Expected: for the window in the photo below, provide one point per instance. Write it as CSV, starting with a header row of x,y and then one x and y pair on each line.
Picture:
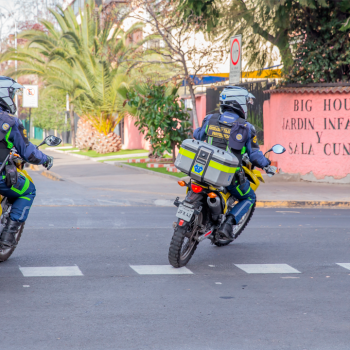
x,y
76,6
153,44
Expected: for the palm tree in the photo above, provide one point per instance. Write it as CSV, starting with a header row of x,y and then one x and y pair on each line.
x,y
93,63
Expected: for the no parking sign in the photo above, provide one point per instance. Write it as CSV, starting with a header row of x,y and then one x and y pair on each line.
x,y
235,59
30,96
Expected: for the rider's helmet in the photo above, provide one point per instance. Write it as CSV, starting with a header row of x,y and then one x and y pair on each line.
x,y
235,99
8,89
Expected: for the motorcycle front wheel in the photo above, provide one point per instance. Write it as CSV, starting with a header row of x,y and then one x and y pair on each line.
x,y
5,253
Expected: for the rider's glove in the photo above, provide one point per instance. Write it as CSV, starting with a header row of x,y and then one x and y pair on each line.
x,y
270,170
49,163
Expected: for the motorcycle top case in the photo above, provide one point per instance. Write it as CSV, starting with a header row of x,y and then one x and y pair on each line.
x,y
206,163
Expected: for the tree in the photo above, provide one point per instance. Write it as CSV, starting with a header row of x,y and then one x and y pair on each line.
x,y
323,54
175,41
50,114
264,24
91,62
206,13
29,12
160,115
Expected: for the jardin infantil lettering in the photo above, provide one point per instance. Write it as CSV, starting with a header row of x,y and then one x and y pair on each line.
x,y
333,123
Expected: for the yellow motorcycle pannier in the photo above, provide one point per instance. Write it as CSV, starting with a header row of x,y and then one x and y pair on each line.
x,y
206,163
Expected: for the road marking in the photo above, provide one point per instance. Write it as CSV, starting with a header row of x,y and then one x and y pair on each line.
x,y
218,283
55,271
105,202
133,191
345,265
160,270
267,268
26,286
164,202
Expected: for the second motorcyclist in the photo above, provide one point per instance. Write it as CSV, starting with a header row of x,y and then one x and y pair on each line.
x,y
12,134
229,130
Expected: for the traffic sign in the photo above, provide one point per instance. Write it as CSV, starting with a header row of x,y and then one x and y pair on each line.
x,y
236,59
30,96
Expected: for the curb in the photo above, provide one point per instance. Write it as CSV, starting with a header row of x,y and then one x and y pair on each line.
x,y
50,175
150,172
33,167
303,204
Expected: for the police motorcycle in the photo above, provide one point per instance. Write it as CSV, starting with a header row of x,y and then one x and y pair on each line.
x,y
18,164
207,202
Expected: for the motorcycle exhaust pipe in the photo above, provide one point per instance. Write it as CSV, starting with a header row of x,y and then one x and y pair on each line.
x,y
214,205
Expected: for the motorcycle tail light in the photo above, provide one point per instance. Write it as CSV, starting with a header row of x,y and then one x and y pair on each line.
x,y
196,188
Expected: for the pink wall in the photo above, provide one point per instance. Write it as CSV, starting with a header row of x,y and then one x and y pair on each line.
x,y
315,130
133,139
201,104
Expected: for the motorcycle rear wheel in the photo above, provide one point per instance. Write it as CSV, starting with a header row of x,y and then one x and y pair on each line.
x,y
237,229
183,245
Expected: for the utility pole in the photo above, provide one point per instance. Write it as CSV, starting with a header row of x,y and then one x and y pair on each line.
x,y
16,96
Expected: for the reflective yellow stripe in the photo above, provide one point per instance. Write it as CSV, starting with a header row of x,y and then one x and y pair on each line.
x,y
186,153
221,167
25,187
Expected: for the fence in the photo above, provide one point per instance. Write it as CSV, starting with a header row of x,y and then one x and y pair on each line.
x,y
255,112
38,133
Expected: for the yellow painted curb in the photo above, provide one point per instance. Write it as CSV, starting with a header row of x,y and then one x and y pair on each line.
x,y
51,176
33,167
302,204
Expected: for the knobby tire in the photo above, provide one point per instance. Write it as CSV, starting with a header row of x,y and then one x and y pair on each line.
x,y
5,253
175,249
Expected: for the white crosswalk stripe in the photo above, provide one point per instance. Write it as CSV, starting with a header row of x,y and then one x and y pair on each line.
x,y
160,270
66,271
345,265
55,271
267,268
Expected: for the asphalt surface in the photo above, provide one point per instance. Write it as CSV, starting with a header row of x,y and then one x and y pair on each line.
x,y
101,227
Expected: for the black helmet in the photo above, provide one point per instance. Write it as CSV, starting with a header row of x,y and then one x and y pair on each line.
x,y
8,89
232,106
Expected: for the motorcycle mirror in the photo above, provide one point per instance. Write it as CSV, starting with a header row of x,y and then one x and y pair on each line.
x,y
278,149
52,140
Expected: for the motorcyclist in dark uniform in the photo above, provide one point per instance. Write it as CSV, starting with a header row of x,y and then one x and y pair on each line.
x,y
230,130
13,134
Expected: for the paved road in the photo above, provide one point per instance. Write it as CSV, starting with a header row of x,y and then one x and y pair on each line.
x,y
92,237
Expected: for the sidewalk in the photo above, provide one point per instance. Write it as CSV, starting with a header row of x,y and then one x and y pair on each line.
x,y
97,159
144,186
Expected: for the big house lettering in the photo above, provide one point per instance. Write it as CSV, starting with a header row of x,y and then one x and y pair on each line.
x,y
320,126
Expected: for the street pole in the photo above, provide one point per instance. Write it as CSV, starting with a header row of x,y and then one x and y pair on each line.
x,y
66,116
30,114
16,97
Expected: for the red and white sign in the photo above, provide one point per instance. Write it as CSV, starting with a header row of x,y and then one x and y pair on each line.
x,y
236,59
30,96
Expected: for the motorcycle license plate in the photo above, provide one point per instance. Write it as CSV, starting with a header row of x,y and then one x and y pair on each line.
x,y
184,213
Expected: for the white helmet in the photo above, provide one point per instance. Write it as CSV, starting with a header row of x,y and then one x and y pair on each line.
x,y
8,89
235,99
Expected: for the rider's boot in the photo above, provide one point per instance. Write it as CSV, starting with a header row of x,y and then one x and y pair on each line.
x,y
227,227
7,238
